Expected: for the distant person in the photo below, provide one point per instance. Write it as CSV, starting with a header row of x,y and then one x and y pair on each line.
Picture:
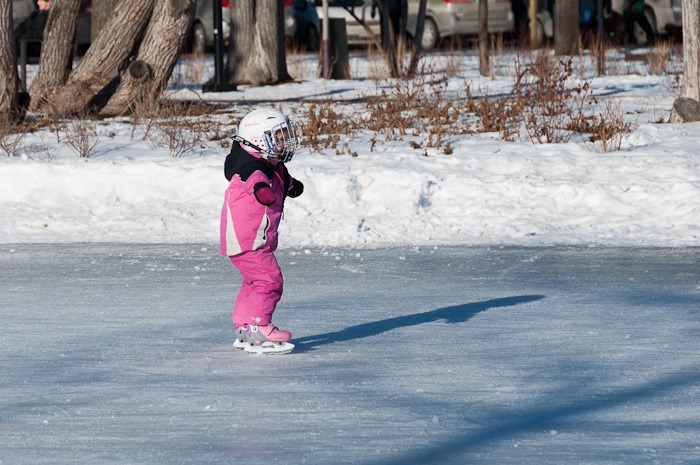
x,y
252,210
31,28
634,12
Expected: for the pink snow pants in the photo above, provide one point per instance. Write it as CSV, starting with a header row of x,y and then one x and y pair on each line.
x,y
261,288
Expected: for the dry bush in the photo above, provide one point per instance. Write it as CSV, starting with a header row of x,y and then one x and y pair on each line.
x,y
658,58
321,125
608,127
546,105
80,134
547,98
492,114
179,135
298,64
178,126
12,136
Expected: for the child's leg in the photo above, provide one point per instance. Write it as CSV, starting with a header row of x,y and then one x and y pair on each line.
x,y
261,288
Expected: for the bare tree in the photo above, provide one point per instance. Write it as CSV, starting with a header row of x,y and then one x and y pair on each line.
x,y
567,30
146,77
484,66
9,79
56,57
94,79
687,107
257,50
101,12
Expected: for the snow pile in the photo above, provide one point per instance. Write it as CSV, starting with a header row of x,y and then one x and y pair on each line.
x,y
487,192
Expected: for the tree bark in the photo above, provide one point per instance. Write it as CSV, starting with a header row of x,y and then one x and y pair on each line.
x,y
257,50
9,79
484,66
92,82
101,12
691,58
567,27
147,76
56,58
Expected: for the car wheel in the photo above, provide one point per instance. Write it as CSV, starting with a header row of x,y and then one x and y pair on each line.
x,y
199,39
311,39
431,36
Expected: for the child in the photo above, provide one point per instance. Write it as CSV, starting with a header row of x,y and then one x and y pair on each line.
x,y
250,216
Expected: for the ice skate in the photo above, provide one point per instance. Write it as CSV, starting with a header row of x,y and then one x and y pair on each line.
x,y
255,339
241,333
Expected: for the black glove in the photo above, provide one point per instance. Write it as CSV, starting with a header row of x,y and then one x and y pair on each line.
x,y
296,189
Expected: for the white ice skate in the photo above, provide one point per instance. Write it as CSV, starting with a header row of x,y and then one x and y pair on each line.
x,y
267,340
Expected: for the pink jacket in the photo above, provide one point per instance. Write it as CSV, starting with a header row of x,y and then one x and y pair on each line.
x,y
246,224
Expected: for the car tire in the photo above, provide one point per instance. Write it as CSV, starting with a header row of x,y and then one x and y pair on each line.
x,y
431,36
199,39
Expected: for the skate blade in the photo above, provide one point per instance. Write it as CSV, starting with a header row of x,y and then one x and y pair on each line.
x,y
240,345
270,348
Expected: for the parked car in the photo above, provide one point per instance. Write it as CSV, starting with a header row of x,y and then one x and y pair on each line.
x,y
443,18
446,18
665,17
305,30
301,24
357,34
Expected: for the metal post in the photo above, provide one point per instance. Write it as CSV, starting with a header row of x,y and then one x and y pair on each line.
x,y
218,85
23,63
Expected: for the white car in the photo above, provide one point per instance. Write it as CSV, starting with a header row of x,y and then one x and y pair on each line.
x,y
443,18
665,17
356,32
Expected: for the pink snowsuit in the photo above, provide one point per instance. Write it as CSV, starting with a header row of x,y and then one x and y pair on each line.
x,y
249,232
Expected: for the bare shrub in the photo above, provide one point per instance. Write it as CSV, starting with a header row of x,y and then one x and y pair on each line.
x,y
322,125
81,136
658,58
492,114
546,97
178,135
12,136
607,128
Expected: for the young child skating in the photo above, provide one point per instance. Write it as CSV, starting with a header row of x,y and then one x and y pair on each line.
x,y
253,203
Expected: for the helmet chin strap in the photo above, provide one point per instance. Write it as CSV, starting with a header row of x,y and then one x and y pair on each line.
x,y
241,140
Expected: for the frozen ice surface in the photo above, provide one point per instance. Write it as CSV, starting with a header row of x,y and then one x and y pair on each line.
x,y
121,354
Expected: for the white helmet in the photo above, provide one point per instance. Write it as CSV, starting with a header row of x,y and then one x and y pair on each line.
x,y
269,132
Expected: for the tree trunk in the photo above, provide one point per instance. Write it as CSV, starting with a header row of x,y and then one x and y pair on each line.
x,y
94,78
147,76
101,12
9,79
691,57
484,66
257,51
567,27
56,50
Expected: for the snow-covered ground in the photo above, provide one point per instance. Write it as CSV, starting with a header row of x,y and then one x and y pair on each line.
x,y
121,354
487,192
507,303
